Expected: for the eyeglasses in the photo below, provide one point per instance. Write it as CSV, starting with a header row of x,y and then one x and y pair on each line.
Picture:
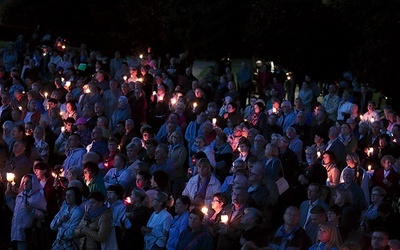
x,y
215,200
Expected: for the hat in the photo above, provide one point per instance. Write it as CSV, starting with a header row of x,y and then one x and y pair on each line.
x,y
80,121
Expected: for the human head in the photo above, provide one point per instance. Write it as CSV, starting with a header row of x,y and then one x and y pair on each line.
x,y
73,195
317,215
379,239
329,234
96,200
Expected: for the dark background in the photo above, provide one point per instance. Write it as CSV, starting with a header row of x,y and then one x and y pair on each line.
x,y
323,38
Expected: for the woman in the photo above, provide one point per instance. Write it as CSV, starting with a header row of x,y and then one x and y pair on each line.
x,y
28,205
160,181
179,222
329,162
76,173
361,176
122,113
319,144
377,196
347,138
223,156
72,110
67,219
43,172
306,95
139,107
258,119
113,150
349,220
386,177
95,226
178,152
155,233
137,216
213,218
32,115
119,174
328,237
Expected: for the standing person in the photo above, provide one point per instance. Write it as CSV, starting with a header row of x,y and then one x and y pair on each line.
x,y
328,237
28,205
244,82
155,233
290,234
196,235
331,102
68,218
178,153
95,226
180,221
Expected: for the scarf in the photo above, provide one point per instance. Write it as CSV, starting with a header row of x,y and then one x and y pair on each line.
x,y
93,214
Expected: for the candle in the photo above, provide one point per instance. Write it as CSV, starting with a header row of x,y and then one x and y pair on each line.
x,y
224,218
328,183
361,117
141,56
370,151
46,94
128,200
61,113
318,154
372,119
273,110
369,167
204,210
10,177
140,79
62,129
67,84
20,107
54,175
87,91
214,121
125,78
173,101
154,93
160,98
62,79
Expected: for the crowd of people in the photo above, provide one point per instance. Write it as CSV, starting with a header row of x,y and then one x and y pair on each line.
x,y
138,153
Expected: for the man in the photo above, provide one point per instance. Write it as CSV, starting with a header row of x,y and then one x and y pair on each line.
x,y
371,115
196,235
75,152
303,130
336,146
272,127
18,164
290,162
101,81
321,126
209,185
252,231
317,216
314,192
258,147
380,239
331,102
229,233
288,116
344,108
163,162
244,83
5,109
295,143
290,234
359,203
128,136
264,192
98,144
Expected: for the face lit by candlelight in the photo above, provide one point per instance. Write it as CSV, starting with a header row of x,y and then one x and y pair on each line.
x,y
27,182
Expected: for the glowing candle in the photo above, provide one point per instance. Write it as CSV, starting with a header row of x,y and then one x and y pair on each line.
x,y
20,107
62,79
204,210
140,79
87,91
62,129
128,200
10,177
125,78
369,167
214,121
318,154
141,56
154,93
361,117
67,84
273,110
160,98
46,94
63,47
224,218
372,119
54,175
173,101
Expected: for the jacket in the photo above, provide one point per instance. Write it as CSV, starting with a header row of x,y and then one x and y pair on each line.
x,y
214,186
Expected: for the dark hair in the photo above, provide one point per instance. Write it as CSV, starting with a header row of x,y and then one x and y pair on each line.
x,y
197,212
161,178
336,209
97,195
43,166
93,167
77,193
221,197
152,141
223,136
73,104
332,156
185,200
117,189
146,175
317,210
384,136
123,157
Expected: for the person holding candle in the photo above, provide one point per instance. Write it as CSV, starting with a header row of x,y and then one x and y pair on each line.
x,y
230,231
180,221
371,115
329,162
28,205
361,177
118,174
